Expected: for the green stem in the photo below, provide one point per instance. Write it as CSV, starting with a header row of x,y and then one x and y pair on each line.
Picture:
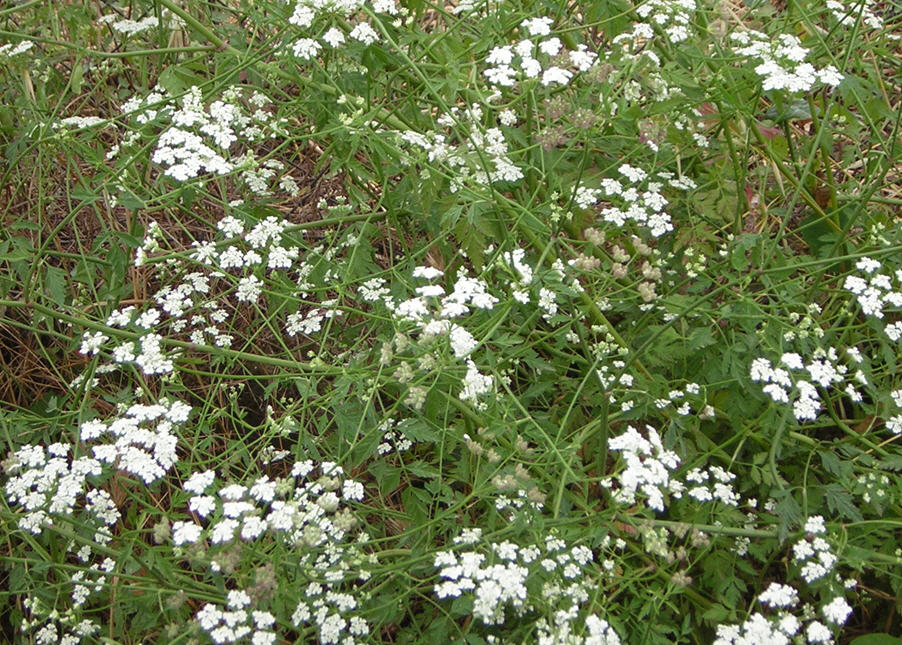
x,y
295,367
774,447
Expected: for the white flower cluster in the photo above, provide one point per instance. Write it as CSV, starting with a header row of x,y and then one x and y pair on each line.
x,y
523,274
310,322
494,587
683,400
782,63
258,176
52,626
824,369
849,16
306,512
644,207
873,488
147,352
192,306
512,63
597,631
393,438
673,16
776,629
313,515
615,380
479,154
781,626
128,27
144,435
47,482
185,153
9,50
894,423
56,488
237,621
878,293
262,245
306,12
79,122
330,611
432,312
200,138
813,553
495,576
712,484
641,81
647,471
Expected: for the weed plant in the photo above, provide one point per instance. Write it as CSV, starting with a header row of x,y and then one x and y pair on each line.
x,y
495,321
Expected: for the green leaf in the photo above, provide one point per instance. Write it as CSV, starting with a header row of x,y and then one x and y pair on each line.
x,y
831,463
55,282
450,217
348,417
700,338
797,110
16,255
877,639
716,614
128,199
789,512
839,501
388,477
417,503
417,430
739,257
175,79
891,462
422,469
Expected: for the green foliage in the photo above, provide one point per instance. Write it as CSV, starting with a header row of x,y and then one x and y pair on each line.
x,y
542,350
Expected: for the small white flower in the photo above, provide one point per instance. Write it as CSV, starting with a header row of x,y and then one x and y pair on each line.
x,y
817,632
364,33
475,383
385,6
253,527
537,26
249,289
556,75
237,599
550,47
836,611
830,76
334,37
224,531
779,595
91,343
352,490
306,48
502,75
427,272
507,118
815,524
203,505
199,482
500,56
462,342
582,58
231,226
185,533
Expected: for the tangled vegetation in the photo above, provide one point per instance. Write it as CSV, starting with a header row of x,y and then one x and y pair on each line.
x,y
499,321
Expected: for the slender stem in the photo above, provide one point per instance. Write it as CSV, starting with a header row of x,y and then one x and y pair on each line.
x,y
295,367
